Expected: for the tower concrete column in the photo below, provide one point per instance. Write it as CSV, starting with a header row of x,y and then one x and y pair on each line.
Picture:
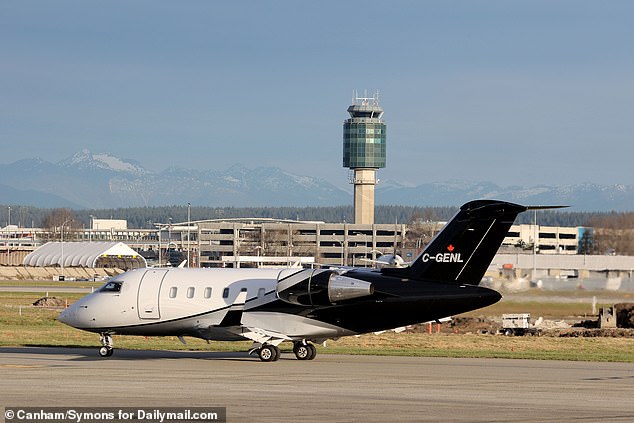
x,y
364,181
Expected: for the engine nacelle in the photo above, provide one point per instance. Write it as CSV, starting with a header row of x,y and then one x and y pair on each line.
x,y
313,287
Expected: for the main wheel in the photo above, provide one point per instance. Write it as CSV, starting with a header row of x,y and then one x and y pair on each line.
x,y
268,353
302,351
277,352
313,351
305,351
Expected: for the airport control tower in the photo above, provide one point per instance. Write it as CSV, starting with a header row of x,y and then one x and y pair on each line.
x,y
364,152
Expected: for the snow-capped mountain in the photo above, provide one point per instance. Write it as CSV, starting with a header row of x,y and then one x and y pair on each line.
x,y
581,197
101,180
85,160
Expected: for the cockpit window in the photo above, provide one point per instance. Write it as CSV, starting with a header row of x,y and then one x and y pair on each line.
x,y
112,286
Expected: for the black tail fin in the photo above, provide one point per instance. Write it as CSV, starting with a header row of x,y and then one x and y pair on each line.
x,y
463,250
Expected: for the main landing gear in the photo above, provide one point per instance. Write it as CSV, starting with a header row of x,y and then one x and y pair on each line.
x,y
106,341
269,352
303,351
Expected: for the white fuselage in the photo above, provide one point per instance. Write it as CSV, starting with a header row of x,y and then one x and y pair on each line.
x,y
192,302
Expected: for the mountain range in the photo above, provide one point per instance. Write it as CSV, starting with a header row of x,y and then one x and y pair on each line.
x,y
90,180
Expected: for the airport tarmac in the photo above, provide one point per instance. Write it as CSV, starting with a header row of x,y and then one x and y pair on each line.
x,y
332,388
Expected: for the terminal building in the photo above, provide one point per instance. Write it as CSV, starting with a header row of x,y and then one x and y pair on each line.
x,y
245,242
259,242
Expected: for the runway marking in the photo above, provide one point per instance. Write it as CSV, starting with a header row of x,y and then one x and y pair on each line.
x,y
19,366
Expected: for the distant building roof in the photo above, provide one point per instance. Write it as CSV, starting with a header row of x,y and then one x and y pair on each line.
x,y
108,224
85,254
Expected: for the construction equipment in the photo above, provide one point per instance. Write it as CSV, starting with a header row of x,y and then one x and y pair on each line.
x,y
518,324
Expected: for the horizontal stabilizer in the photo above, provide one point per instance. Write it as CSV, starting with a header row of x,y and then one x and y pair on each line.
x,y
545,207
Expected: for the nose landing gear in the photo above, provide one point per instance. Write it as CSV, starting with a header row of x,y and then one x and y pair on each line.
x,y
106,341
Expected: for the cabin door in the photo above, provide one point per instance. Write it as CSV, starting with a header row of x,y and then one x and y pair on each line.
x,y
148,297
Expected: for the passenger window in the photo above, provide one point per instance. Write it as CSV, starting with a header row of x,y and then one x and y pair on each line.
x,y
190,292
261,292
173,291
208,292
225,293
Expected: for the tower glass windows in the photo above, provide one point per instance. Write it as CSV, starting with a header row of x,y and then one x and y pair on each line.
x,y
364,144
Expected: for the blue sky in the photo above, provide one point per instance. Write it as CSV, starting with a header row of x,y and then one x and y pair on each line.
x,y
510,92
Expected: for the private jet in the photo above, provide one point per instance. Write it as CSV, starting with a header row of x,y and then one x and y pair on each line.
x,y
303,306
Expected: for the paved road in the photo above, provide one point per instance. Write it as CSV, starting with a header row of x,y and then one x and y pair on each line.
x,y
329,389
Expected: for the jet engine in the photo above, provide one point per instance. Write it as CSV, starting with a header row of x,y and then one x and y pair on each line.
x,y
312,287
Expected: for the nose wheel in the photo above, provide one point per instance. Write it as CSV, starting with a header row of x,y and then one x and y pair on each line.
x,y
106,349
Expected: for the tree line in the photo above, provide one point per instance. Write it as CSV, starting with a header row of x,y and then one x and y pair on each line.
x,y
146,217
611,233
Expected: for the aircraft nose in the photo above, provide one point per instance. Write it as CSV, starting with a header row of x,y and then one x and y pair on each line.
x,y
67,316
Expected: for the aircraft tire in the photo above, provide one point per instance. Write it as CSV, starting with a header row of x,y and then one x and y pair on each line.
x,y
267,353
305,351
105,351
302,351
277,352
313,351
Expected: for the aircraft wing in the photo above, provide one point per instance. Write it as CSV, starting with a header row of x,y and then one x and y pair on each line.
x,y
233,321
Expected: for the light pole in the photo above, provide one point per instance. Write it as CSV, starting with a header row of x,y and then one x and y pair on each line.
x,y
92,220
62,243
159,246
365,249
9,237
343,251
169,241
258,249
536,237
189,218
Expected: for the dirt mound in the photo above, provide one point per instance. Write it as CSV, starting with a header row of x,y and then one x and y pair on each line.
x,y
594,333
50,302
474,324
